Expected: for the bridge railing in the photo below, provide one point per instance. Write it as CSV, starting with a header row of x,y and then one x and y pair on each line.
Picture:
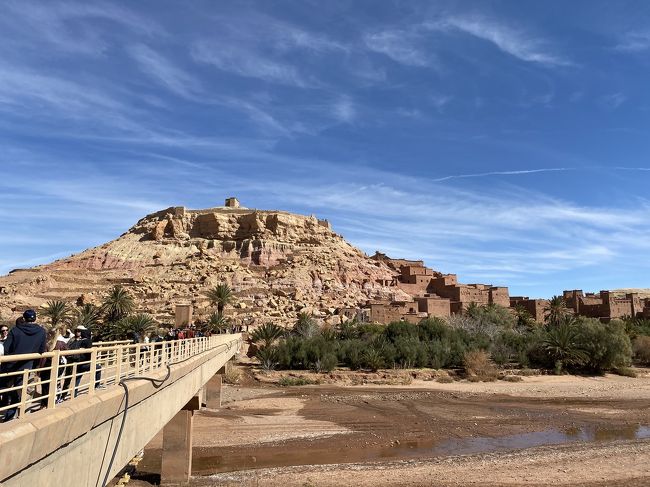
x,y
31,382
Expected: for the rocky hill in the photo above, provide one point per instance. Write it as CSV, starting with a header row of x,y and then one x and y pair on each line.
x,y
278,263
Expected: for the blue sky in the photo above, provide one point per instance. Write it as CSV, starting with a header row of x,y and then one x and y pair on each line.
x,y
504,141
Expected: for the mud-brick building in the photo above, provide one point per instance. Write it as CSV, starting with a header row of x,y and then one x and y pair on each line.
x,y
433,306
461,295
535,307
389,311
605,305
432,293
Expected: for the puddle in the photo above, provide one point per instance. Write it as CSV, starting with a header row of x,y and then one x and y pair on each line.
x,y
467,446
276,457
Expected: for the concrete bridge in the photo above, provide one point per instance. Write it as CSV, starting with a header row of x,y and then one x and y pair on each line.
x,y
87,440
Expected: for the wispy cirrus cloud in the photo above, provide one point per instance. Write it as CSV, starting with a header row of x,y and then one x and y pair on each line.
x,y
516,42
637,41
164,72
399,45
613,100
344,109
247,63
504,173
66,26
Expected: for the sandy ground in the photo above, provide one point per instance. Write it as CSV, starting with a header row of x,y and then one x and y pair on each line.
x,y
546,430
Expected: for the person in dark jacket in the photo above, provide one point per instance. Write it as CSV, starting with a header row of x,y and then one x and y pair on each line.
x,y
26,337
83,342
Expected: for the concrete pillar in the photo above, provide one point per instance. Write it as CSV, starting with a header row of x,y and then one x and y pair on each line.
x,y
213,390
176,466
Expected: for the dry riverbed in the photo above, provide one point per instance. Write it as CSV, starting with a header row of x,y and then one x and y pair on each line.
x,y
545,430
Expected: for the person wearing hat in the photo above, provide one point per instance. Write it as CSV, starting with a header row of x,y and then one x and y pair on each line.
x,y
26,337
82,340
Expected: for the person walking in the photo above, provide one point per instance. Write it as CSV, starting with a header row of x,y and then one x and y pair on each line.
x,y
4,331
26,337
85,342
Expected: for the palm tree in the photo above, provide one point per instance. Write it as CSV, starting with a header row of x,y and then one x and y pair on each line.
x,y
556,311
473,310
524,319
138,325
218,323
267,334
118,304
561,344
220,296
88,315
306,326
57,312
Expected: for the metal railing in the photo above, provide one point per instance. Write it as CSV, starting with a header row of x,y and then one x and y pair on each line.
x,y
31,382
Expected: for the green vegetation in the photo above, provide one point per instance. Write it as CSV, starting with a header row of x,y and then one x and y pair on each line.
x,y
118,304
296,381
218,323
267,334
477,341
57,311
138,325
113,320
221,296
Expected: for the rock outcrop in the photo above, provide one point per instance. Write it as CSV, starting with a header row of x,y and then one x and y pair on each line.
x,y
278,263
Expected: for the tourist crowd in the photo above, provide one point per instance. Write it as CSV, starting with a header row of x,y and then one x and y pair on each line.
x,y
28,337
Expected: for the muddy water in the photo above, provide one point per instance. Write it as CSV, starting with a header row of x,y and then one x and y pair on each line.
x,y
419,448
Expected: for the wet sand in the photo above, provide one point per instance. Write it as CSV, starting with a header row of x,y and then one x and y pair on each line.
x,y
381,435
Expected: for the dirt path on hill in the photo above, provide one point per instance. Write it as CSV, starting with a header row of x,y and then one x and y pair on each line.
x,y
490,434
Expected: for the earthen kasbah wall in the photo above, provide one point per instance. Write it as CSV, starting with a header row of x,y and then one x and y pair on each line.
x,y
535,307
605,305
434,294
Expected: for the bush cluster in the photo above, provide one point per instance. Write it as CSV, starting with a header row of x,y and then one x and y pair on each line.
x,y
476,341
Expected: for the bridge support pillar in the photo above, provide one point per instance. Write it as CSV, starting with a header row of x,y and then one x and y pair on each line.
x,y
176,466
213,390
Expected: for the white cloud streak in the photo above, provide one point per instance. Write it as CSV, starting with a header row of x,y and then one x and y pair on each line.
x,y
515,42
400,46
504,173
247,63
165,72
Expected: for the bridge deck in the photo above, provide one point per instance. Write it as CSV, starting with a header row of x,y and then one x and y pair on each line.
x,y
43,444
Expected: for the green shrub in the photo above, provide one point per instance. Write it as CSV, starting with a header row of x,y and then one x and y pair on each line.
x,y
325,363
349,330
372,359
268,357
296,381
625,372
400,329
410,352
642,349
606,346
351,353
306,326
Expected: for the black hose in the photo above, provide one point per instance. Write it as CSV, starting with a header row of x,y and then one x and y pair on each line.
x,y
156,383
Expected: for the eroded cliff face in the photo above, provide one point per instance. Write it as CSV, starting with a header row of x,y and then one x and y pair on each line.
x,y
278,263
